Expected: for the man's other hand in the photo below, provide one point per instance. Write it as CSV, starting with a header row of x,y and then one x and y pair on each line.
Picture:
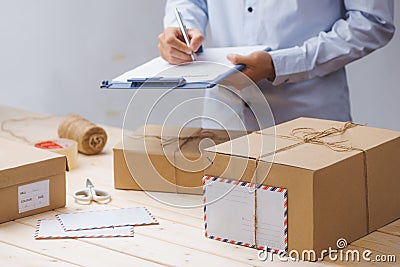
x,y
259,65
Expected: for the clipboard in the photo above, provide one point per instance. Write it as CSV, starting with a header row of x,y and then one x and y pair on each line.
x,y
179,82
157,83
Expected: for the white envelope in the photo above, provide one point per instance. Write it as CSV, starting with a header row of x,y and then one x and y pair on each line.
x,y
234,214
106,218
51,229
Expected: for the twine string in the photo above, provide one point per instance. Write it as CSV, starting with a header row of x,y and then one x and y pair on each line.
x,y
24,119
96,141
183,140
202,134
306,135
91,138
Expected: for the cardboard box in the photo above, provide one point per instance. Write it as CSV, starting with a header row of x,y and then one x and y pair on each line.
x,y
165,159
32,180
342,185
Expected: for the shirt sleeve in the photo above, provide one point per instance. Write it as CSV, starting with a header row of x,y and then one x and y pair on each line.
x,y
194,12
368,25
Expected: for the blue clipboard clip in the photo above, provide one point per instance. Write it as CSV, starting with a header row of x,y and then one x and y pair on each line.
x,y
157,83
153,82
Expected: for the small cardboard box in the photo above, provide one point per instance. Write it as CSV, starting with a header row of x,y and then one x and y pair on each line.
x,y
165,159
32,180
339,185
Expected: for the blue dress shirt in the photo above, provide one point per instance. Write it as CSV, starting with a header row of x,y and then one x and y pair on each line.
x,y
311,41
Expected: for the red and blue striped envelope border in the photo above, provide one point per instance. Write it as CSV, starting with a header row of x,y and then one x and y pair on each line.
x,y
259,187
153,222
73,235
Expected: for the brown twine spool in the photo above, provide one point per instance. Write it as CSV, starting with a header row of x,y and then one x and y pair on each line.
x,y
90,137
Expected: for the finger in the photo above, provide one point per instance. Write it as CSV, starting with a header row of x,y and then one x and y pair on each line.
x,y
171,60
196,39
170,47
179,61
176,60
173,37
238,59
172,52
246,60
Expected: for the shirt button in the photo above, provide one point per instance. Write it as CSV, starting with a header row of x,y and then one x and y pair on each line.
x,y
250,9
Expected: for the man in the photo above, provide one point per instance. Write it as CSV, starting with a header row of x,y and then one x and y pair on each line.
x,y
311,42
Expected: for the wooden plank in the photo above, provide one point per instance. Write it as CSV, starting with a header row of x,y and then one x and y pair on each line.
x,y
176,233
177,221
69,250
164,251
150,244
345,258
392,228
175,243
12,256
139,199
380,242
148,247
178,240
102,177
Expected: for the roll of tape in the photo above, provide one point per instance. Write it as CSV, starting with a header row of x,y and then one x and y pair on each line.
x,y
66,147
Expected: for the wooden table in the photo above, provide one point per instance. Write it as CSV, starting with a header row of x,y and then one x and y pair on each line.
x,y
177,241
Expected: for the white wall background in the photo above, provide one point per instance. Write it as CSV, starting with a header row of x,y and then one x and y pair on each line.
x,y
54,54
374,84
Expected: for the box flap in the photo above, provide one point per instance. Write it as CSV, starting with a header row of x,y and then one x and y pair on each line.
x,y
145,145
362,137
159,157
251,146
22,163
306,156
303,156
169,139
165,131
262,145
156,140
209,138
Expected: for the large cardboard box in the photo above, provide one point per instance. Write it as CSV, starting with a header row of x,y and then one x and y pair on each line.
x,y
165,159
339,184
32,180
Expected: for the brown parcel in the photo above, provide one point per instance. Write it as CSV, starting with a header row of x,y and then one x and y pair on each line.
x,y
330,196
167,164
23,166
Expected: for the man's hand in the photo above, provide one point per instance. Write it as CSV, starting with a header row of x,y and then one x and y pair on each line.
x,y
173,48
259,65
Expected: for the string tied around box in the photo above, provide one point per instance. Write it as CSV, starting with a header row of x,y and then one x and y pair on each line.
x,y
307,135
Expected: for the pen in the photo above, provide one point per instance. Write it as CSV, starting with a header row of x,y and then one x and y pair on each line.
x,y
183,30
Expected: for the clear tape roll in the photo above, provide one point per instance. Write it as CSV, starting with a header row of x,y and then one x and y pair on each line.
x,y
66,147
